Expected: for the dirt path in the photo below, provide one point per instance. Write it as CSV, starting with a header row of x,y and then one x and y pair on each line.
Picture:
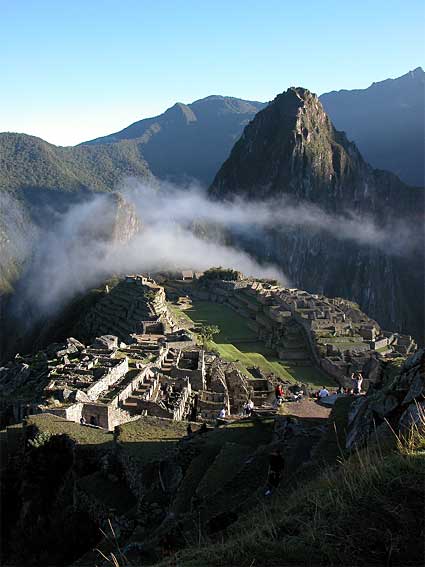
x,y
305,408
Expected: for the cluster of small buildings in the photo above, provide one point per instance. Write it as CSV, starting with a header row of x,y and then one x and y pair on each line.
x,y
109,383
143,365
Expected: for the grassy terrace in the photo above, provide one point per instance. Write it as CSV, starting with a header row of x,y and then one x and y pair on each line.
x,y
238,343
150,438
83,435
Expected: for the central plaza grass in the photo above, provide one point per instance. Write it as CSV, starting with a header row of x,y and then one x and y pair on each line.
x,y
237,343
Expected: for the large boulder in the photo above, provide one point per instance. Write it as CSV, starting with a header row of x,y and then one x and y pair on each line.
x,y
372,370
14,377
109,342
75,344
70,346
396,405
414,415
417,388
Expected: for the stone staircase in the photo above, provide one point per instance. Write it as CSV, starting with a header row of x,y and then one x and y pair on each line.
x,y
223,468
242,484
169,362
146,391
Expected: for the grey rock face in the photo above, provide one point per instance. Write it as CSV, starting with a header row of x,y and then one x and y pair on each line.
x,y
14,377
109,342
399,404
413,416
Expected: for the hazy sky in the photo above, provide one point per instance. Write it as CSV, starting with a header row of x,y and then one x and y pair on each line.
x,y
73,70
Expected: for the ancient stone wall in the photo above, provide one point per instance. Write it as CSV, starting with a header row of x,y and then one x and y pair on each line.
x,y
111,376
72,413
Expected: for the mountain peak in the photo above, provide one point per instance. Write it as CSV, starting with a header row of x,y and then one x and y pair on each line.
x,y
292,147
180,111
188,141
417,73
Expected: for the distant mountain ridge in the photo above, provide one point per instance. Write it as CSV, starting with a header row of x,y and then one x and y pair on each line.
x,y
188,141
28,163
191,141
386,121
292,150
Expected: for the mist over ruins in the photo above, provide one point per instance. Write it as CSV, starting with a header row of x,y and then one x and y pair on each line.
x,y
212,320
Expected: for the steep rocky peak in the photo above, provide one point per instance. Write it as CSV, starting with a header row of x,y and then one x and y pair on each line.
x,y
292,147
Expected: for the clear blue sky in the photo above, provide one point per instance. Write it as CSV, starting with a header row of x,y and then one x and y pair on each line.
x,y
75,69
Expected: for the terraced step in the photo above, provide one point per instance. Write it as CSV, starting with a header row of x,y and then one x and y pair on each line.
x,y
194,474
224,467
240,487
109,494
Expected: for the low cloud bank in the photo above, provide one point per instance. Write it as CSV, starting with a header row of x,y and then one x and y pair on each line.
x,y
185,206
181,229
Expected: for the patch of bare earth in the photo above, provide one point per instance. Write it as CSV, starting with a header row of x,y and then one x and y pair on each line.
x,y
305,408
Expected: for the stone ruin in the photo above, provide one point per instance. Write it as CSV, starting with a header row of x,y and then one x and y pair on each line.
x,y
158,370
307,328
135,305
143,364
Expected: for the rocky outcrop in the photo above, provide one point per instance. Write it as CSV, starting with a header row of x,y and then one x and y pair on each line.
x,y
291,154
392,406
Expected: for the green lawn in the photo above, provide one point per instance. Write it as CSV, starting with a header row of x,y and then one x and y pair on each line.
x,y
83,435
238,343
233,326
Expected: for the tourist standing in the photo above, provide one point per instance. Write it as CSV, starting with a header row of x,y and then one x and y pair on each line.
x,y
220,417
249,406
278,392
353,382
359,381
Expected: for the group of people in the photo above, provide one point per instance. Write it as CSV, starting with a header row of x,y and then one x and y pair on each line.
x,y
356,389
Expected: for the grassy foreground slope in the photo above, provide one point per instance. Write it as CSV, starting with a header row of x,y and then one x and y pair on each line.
x,y
236,342
351,516
363,509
